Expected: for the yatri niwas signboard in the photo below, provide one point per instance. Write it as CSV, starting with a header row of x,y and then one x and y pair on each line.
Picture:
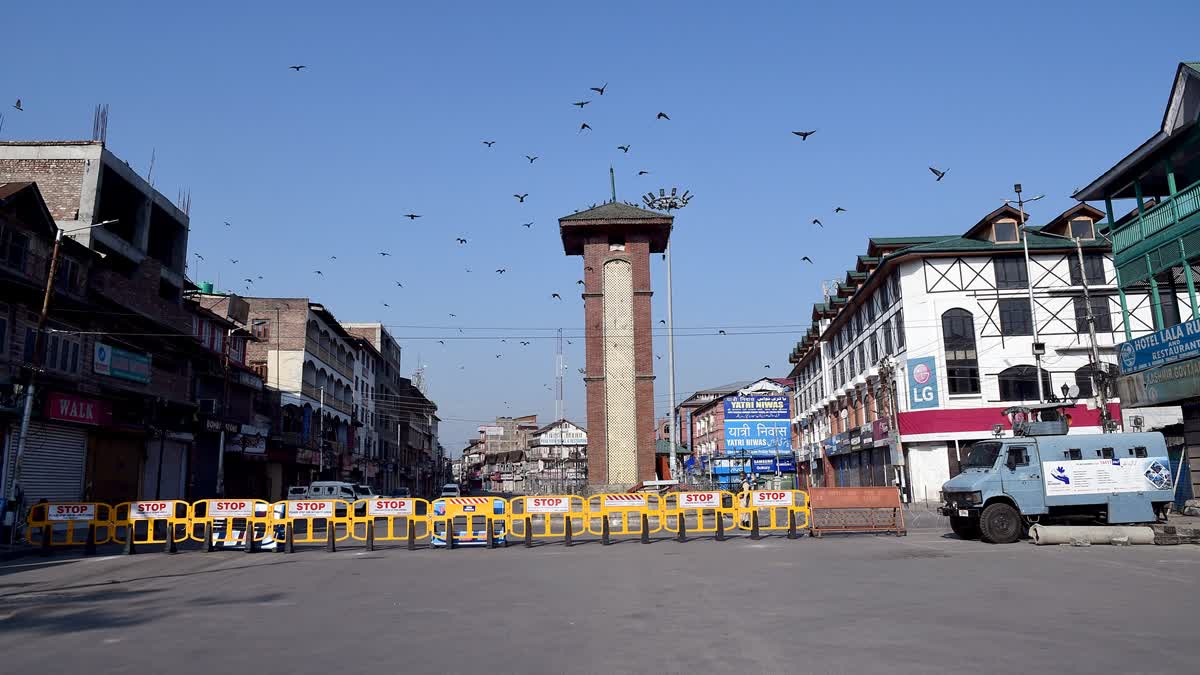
x,y
758,425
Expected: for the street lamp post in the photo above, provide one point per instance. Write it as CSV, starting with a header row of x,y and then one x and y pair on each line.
x,y
668,203
1038,347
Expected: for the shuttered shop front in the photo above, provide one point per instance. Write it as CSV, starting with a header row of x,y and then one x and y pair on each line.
x,y
52,466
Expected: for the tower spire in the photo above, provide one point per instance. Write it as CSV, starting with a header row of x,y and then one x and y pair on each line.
x,y
612,181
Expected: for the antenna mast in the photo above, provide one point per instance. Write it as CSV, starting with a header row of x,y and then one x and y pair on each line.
x,y
559,408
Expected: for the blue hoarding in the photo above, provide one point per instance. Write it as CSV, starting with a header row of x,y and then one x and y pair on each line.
x,y
758,425
922,383
1159,348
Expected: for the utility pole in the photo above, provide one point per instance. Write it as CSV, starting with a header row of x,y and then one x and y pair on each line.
x,y
224,414
34,368
320,437
1038,347
1093,347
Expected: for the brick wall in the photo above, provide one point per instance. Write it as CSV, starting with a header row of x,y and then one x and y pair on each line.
x,y
60,181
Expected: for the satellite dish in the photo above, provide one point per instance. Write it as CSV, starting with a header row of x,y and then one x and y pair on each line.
x,y
1073,392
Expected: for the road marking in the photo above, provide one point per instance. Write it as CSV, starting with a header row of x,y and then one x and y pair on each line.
x,y
111,641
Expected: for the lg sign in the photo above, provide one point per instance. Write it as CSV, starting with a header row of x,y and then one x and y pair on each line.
x,y
922,383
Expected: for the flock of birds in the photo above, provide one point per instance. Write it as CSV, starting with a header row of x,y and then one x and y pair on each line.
x,y
661,116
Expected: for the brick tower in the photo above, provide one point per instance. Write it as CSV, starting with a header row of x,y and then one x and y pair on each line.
x,y
616,241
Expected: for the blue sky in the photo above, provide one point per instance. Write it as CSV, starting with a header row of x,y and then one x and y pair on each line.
x,y
389,117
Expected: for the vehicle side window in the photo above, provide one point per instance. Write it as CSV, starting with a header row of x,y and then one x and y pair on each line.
x,y
347,492
1139,452
1106,453
1074,453
1018,456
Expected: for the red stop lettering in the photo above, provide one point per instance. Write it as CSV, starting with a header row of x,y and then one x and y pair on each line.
x,y
71,508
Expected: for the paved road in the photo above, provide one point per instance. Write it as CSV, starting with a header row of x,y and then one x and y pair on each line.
x,y
922,603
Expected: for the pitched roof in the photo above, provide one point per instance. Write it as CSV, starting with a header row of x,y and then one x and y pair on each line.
x,y
615,211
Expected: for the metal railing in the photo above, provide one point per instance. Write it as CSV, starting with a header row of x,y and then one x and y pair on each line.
x,y
1162,216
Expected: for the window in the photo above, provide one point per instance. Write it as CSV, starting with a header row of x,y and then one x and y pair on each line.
x,y
1005,232
1100,314
1106,453
887,337
871,308
896,287
3,332
1019,383
862,357
1093,269
67,276
1010,272
261,329
1018,456
874,341
1089,377
30,338
14,247
1139,451
1081,228
1075,453
884,295
1015,317
1170,306
962,361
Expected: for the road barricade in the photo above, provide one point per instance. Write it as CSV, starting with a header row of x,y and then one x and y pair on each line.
x,y
857,509
548,517
61,524
151,523
699,512
232,523
773,511
469,521
625,514
391,519
311,521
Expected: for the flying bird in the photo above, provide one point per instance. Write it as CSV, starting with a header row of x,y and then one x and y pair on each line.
x,y
588,268
527,225
662,321
643,173
400,284
501,271
804,134
838,209
249,280
441,342
767,366
386,305
817,222
228,224
497,356
531,159
661,116
524,343
333,257
318,273
233,260
17,105
556,296
623,148
658,356
489,143
582,371
599,90
198,256
569,342
412,216
581,104
453,315
942,174
806,259
580,282
584,126
521,198
384,254
720,332
297,68
460,240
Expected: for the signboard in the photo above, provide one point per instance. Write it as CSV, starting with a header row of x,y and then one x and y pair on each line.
x,y
624,501
563,435
547,505
390,507
699,500
121,364
230,508
1104,476
59,512
151,510
922,383
881,430
770,498
1160,348
491,431
770,465
310,508
71,408
1160,385
758,425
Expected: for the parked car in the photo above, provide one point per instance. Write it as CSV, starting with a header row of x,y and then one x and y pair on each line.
x,y
451,490
348,492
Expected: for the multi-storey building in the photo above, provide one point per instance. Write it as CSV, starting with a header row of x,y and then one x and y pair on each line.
x,y
504,444
389,397
556,460
129,347
369,465
1157,253
937,333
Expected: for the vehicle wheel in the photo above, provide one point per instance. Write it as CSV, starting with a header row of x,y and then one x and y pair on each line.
x,y
1000,524
965,528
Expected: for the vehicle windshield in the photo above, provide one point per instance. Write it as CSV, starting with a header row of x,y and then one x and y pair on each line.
x,y
982,455
363,489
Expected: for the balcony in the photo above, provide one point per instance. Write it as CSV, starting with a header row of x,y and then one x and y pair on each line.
x,y
312,392
1155,234
330,359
